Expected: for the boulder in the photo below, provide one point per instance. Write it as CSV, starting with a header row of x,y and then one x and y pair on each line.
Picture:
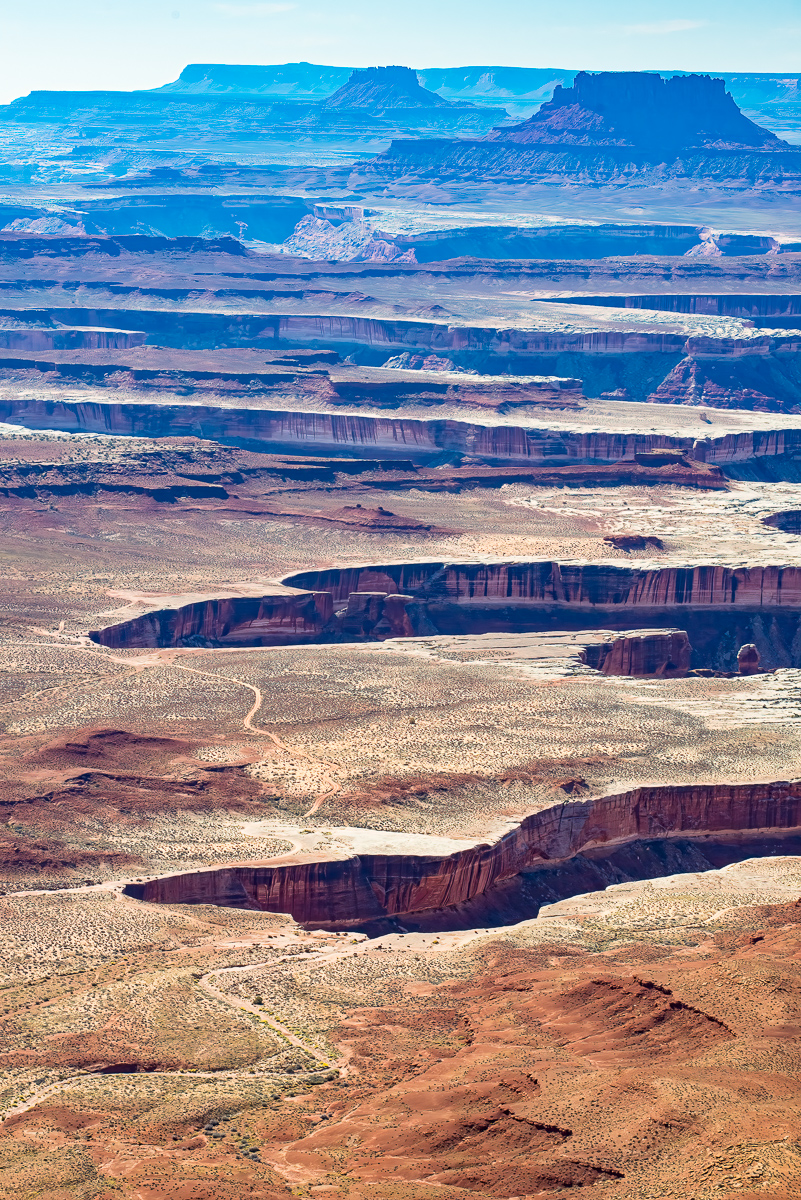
x,y
748,659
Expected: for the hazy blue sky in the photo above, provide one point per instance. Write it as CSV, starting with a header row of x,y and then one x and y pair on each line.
x,y
143,43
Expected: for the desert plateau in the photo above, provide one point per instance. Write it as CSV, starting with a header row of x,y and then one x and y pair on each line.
x,y
400,614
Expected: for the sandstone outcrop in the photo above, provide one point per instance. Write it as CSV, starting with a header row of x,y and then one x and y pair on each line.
x,y
665,652
643,110
423,599
748,659
379,88
239,621
370,887
756,383
387,437
586,586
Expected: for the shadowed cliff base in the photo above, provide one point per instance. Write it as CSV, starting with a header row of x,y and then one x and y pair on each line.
x,y
474,886
521,897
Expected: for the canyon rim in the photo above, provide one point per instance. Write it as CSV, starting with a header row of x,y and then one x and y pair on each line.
x,y
400,630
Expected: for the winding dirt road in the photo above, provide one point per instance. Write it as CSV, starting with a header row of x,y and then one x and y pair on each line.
x,y
333,786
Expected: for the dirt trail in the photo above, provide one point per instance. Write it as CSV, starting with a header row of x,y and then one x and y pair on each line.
x,y
170,656
246,1006
333,787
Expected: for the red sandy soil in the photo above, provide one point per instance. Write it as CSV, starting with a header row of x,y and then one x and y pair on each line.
x,y
556,1069
107,775
644,1070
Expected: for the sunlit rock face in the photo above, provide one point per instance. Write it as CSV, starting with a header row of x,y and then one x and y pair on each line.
x,y
748,659
369,886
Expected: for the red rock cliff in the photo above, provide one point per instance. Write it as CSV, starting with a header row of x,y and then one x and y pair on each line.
x,y
586,585
235,620
374,886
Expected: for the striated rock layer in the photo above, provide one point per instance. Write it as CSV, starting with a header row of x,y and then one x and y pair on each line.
x,y
576,584
510,162
238,621
643,652
556,361
720,607
370,887
387,436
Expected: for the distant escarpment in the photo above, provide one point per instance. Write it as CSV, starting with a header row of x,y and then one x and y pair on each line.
x,y
615,125
375,886
388,99
381,94
638,108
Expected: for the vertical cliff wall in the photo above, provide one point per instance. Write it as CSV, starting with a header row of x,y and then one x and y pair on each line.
x,y
385,436
586,585
718,608
235,621
370,887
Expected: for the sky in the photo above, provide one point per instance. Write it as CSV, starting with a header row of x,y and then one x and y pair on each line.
x,y
125,44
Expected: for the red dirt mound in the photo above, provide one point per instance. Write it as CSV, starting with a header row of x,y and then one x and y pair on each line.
x,y
630,1020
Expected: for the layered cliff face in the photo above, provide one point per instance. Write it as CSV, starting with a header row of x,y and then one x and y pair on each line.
x,y
367,616
387,437
718,609
556,355
639,109
59,337
237,621
371,887
507,161
759,383
770,310
665,652
586,585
